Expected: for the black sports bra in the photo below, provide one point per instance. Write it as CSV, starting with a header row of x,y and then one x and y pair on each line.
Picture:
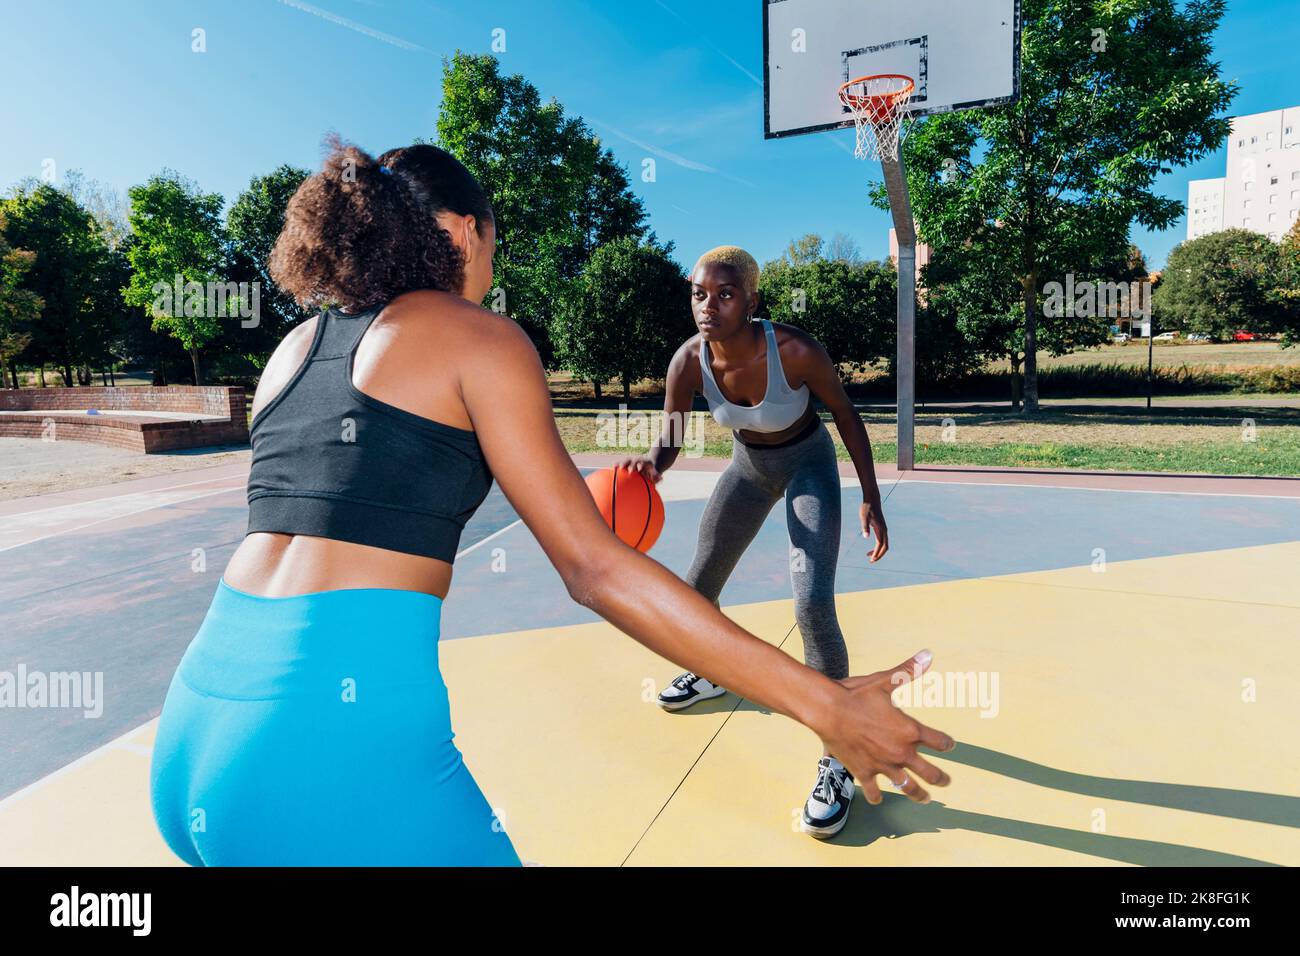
x,y
332,462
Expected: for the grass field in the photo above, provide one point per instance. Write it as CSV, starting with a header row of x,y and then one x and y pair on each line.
x,y
1218,359
1206,442
1227,354
1210,440
1133,354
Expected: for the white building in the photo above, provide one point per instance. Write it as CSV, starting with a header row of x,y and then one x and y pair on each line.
x,y
1261,190
1204,207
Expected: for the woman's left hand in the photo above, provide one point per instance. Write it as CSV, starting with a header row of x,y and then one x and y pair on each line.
x,y
873,522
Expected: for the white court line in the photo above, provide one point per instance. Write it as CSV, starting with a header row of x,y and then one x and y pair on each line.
x,y
494,534
128,494
965,479
121,743
154,504
124,742
1129,491
911,479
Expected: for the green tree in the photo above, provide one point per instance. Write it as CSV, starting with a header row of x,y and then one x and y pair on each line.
x,y
803,251
625,315
851,310
557,194
1113,94
971,291
1221,282
70,253
19,307
179,243
116,316
253,224
1288,287
138,343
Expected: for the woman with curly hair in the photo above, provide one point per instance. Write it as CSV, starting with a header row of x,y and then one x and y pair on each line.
x,y
308,722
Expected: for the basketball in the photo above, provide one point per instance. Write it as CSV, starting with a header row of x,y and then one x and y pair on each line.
x,y
629,504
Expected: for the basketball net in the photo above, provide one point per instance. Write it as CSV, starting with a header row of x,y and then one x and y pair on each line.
x,y
878,116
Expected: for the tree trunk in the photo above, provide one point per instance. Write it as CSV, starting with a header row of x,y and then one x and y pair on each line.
x,y
194,357
627,389
67,376
13,372
42,376
596,386
112,376
1031,341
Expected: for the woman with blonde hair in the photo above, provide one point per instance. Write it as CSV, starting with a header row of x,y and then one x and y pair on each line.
x,y
780,448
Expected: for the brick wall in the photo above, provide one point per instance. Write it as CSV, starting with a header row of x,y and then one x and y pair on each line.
x,y
139,434
201,400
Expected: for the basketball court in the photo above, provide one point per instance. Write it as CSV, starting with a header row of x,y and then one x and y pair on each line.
x,y
1117,655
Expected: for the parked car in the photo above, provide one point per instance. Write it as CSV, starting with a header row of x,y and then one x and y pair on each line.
x,y
1166,337
1120,338
1199,337
1243,336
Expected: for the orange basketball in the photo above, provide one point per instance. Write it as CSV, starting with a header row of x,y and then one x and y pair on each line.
x,y
629,504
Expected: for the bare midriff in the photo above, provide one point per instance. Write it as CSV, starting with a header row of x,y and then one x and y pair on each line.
x,y
283,565
775,438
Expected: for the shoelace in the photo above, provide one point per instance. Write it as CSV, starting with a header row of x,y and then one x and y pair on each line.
x,y
685,681
827,788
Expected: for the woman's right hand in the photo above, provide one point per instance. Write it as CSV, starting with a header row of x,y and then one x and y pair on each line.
x,y
644,465
869,735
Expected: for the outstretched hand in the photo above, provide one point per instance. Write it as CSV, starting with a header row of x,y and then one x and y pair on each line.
x,y
873,522
872,737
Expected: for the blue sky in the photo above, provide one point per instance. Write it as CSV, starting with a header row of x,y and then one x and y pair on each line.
x,y
112,88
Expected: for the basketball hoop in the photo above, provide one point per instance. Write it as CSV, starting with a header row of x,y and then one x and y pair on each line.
x,y
877,105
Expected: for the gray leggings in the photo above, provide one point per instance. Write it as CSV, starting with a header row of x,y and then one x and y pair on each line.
x,y
806,474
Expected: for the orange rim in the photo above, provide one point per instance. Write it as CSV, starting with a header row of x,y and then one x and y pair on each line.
x,y
879,107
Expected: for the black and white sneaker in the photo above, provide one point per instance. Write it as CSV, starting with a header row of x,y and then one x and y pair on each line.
x,y
827,808
688,689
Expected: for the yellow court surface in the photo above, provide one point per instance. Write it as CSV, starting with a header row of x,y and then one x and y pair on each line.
x,y
1136,715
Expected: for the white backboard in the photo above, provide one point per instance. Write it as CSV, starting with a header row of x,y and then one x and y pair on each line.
x,y
961,54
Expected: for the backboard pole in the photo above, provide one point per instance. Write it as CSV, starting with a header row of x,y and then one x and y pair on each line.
x,y
900,208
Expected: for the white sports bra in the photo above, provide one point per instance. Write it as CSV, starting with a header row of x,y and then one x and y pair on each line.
x,y
781,406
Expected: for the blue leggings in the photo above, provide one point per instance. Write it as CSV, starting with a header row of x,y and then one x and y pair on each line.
x,y
315,730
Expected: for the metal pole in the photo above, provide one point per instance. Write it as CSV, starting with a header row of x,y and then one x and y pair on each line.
x,y
1151,339
900,208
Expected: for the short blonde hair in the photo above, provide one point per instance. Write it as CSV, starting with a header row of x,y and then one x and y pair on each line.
x,y
738,259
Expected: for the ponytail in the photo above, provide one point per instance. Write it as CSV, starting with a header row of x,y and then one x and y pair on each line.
x,y
363,231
